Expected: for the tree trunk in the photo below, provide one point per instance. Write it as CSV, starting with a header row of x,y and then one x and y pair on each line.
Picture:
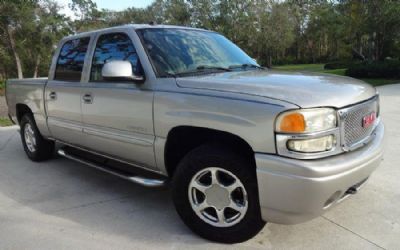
x,y
37,63
269,63
15,53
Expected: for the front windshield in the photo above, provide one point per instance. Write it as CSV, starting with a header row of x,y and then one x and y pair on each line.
x,y
183,51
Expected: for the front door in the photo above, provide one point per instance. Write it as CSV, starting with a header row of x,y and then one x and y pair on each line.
x,y
118,115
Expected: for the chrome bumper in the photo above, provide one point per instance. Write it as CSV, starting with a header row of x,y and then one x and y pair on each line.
x,y
292,191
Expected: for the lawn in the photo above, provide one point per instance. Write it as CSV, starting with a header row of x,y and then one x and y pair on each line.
x,y
4,122
320,68
2,87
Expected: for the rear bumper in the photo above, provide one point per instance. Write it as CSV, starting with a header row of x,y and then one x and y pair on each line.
x,y
292,191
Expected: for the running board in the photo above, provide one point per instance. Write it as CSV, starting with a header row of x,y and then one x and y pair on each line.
x,y
147,182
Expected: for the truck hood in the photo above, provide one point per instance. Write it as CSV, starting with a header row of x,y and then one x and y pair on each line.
x,y
303,89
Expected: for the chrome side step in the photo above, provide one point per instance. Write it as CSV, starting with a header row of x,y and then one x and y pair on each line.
x,y
147,182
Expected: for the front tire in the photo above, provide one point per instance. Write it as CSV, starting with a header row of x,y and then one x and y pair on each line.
x,y
215,193
36,147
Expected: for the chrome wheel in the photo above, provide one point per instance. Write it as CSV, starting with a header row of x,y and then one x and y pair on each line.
x,y
30,139
218,197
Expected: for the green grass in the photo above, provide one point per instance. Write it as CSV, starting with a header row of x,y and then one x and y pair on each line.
x,y
2,87
311,68
302,67
339,72
380,81
319,68
4,122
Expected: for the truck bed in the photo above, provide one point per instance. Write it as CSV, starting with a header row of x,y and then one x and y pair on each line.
x,y
29,92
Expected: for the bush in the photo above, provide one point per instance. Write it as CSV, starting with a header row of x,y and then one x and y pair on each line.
x,y
338,65
385,69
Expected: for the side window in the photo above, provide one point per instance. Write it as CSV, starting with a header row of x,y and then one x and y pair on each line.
x,y
71,59
115,46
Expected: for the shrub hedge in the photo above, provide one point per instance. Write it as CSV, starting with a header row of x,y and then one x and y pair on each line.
x,y
382,69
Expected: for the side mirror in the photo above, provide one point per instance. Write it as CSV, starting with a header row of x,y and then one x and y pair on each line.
x,y
120,70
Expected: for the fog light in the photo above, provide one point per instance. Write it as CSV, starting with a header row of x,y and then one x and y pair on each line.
x,y
321,144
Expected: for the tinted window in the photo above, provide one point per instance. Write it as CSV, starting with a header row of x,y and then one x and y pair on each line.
x,y
116,46
71,59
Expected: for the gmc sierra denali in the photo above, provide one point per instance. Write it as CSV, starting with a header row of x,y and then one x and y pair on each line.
x,y
240,145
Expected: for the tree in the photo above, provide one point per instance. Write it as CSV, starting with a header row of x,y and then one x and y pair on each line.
x,y
49,27
15,17
275,34
381,24
204,13
88,17
176,12
273,31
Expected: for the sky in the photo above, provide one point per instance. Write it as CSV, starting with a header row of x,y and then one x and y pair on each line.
x,y
108,4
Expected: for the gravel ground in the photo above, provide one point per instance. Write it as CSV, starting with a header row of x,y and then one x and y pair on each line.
x,y
3,106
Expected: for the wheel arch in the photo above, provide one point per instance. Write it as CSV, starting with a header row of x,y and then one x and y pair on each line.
x,y
182,139
21,110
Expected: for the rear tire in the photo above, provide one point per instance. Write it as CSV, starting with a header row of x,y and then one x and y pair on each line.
x,y
36,147
227,181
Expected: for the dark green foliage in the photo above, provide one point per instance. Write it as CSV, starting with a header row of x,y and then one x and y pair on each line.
x,y
338,65
273,32
377,69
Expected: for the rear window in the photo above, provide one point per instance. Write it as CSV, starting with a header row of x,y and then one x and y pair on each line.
x,y
71,59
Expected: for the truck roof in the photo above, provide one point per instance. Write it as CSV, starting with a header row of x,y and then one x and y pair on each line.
x,y
133,26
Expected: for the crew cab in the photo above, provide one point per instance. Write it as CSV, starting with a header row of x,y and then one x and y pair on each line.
x,y
238,144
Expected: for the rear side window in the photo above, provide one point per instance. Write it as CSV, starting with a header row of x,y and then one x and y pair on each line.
x,y
71,59
114,46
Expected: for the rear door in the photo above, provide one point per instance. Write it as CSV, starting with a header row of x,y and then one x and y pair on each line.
x,y
63,91
118,115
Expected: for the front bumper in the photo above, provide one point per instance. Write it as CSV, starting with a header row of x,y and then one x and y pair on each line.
x,y
292,191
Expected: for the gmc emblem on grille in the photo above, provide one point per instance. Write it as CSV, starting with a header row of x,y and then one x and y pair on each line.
x,y
368,120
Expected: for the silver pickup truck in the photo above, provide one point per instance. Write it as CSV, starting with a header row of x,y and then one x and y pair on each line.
x,y
240,145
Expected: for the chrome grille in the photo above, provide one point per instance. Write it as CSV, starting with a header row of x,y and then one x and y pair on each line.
x,y
351,118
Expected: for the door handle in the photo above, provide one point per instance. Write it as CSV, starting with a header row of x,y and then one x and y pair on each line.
x,y
87,98
53,95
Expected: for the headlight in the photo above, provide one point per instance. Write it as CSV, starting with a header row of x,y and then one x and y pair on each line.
x,y
306,120
307,133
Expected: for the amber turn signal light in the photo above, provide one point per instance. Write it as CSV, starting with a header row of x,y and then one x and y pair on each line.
x,y
292,123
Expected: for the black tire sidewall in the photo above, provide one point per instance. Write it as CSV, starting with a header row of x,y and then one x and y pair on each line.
x,y
44,148
211,156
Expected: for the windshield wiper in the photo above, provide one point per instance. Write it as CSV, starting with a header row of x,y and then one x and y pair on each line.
x,y
245,66
210,69
203,69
